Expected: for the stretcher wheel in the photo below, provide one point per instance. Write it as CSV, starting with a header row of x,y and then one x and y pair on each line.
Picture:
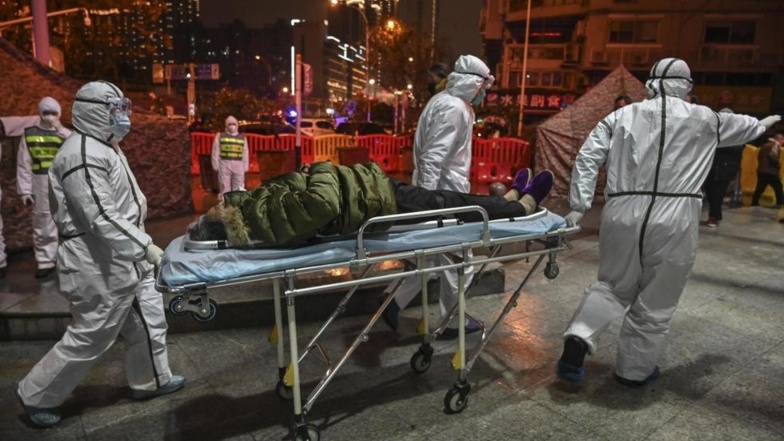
x,y
456,399
213,311
283,391
308,432
551,270
420,361
176,307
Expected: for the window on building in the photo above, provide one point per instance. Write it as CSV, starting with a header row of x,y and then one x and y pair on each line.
x,y
517,5
551,79
514,79
634,31
730,32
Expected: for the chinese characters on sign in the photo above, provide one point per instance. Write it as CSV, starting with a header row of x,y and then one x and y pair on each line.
x,y
532,101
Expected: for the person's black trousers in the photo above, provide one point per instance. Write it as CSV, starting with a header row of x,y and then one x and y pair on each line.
x,y
715,191
411,198
763,180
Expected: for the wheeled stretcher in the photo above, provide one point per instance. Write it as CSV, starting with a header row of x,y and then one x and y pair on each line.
x,y
191,269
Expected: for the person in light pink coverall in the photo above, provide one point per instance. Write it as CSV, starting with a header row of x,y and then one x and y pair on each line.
x,y
230,158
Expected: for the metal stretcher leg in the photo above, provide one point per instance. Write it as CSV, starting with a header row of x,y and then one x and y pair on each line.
x,y
456,397
512,303
313,343
332,371
302,430
361,338
283,390
420,360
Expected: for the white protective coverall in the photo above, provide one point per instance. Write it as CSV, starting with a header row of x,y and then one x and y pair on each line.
x,y
3,257
230,158
657,154
12,126
99,211
32,176
442,157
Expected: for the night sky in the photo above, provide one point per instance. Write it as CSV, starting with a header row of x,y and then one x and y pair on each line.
x,y
459,18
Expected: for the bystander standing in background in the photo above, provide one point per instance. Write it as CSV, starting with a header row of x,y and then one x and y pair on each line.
x,y
724,169
768,169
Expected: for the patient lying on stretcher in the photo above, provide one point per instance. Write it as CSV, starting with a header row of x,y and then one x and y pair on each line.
x,y
328,200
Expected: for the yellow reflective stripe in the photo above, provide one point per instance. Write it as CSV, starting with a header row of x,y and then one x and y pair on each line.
x,y
41,153
43,138
42,165
239,141
232,148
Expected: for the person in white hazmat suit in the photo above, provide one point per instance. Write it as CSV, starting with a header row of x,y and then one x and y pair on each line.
x,y
10,126
104,262
442,159
230,158
3,256
657,154
37,149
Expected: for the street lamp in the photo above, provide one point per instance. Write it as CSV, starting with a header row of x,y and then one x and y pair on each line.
x,y
524,73
8,24
356,5
41,33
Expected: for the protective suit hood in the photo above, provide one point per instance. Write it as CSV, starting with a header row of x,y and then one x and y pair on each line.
x,y
90,111
669,77
49,122
470,76
230,120
49,104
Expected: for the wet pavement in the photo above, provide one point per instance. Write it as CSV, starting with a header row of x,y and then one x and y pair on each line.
x,y
722,365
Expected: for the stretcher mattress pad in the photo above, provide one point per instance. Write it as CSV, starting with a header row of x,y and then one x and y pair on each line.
x,y
181,266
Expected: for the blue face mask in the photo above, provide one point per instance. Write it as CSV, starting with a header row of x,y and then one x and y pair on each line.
x,y
119,125
479,98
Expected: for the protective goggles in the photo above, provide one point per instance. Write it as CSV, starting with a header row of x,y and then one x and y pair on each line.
x,y
113,105
487,80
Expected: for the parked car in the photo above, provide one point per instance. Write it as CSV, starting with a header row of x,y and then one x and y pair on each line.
x,y
267,128
360,128
316,126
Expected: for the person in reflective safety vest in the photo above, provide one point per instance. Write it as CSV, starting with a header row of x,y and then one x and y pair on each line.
x,y
230,158
39,145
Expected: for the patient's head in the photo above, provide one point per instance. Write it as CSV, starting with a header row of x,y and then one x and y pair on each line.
x,y
221,223
208,227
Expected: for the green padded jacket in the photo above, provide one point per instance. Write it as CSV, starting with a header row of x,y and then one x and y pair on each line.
x,y
291,209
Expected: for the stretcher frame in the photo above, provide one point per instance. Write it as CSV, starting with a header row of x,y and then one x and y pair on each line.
x,y
194,297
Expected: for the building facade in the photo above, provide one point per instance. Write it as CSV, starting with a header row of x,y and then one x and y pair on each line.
x,y
735,48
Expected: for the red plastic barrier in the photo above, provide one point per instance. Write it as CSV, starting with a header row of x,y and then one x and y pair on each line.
x,y
386,150
201,144
494,160
498,159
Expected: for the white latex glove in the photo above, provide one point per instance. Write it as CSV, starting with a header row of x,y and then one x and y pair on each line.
x,y
573,218
28,200
154,254
770,121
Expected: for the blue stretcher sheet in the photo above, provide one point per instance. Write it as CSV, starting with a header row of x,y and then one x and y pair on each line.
x,y
181,266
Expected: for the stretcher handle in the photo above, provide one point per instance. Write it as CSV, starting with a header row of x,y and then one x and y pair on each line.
x,y
420,214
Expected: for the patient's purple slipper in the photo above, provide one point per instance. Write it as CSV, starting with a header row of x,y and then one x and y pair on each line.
x,y
521,180
539,186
